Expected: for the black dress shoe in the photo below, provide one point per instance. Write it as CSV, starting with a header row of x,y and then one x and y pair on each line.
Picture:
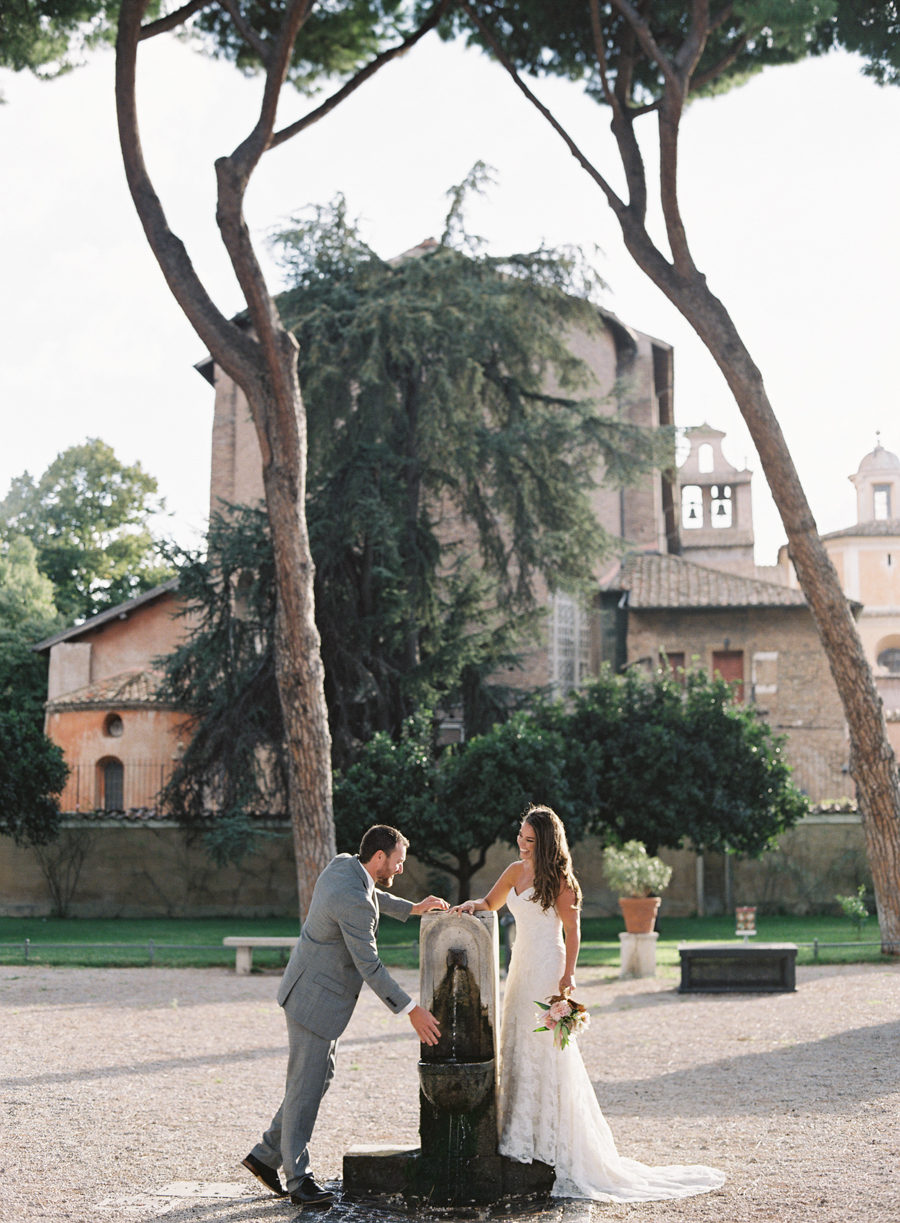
x,y
308,1193
264,1173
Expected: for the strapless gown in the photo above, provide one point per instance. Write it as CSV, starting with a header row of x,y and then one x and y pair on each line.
x,y
548,1109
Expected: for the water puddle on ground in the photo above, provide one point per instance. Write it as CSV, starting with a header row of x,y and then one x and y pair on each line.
x,y
227,1202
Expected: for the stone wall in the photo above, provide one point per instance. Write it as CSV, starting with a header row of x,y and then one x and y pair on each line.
x,y
786,676
149,871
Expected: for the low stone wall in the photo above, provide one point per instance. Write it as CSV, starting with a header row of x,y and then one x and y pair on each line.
x,y
119,870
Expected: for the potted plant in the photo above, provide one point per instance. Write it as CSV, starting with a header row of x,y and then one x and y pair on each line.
x,y
637,878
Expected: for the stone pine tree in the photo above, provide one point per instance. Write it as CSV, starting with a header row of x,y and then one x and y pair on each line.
x,y
643,63
294,42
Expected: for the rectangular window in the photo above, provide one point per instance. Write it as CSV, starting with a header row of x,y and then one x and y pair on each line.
x,y
569,644
675,663
881,498
729,665
764,675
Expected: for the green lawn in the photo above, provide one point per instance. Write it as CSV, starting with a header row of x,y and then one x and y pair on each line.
x,y
200,940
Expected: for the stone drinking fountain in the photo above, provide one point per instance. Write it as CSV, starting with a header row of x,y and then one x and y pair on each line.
x,y
457,1163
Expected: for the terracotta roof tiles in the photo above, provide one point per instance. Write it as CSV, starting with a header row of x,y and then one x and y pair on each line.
x,y
655,580
131,689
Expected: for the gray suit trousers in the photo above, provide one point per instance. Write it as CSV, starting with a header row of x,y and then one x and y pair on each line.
x,y
310,1070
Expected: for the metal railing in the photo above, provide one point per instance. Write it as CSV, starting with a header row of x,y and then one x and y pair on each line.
x,y
137,786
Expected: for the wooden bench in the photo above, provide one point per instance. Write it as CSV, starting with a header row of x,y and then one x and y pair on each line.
x,y
244,944
757,968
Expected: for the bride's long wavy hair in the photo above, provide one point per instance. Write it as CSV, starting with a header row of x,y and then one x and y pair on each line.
x,y
552,860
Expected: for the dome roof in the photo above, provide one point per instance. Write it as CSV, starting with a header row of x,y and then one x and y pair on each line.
x,y
879,459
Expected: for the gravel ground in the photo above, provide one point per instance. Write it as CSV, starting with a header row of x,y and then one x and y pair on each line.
x,y
133,1094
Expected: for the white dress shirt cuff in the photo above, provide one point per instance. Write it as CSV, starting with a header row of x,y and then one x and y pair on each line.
x,y
408,1008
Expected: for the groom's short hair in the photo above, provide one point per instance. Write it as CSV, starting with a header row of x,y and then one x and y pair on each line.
x,y
380,836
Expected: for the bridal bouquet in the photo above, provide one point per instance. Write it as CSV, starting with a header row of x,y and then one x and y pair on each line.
x,y
564,1017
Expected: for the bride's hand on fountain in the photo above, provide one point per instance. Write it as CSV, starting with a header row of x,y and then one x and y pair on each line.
x,y
467,906
425,1024
429,903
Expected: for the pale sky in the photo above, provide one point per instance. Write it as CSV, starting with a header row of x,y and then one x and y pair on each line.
x,y
790,190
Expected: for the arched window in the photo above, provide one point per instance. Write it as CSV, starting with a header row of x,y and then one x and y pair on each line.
x,y
111,784
113,726
691,507
721,506
890,660
705,458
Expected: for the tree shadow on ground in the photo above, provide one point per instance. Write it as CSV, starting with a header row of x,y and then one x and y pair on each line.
x,y
833,1075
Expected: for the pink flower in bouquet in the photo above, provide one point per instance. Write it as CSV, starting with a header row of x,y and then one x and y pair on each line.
x,y
564,1017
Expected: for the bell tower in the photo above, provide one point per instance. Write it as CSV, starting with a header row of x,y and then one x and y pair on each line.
x,y
714,506
877,483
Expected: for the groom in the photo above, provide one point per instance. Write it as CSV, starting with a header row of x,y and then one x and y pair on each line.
x,y
335,954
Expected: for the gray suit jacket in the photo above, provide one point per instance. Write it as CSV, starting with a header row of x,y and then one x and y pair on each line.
x,y
336,951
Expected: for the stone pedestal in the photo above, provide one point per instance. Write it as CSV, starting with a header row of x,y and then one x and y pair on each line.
x,y
638,952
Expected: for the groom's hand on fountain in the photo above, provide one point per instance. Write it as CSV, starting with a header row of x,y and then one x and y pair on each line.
x,y
425,1024
429,903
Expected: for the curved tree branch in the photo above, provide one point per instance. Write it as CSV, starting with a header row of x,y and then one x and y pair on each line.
x,y
622,119
171,20
246,156
363,75
233,348
246,31
618,206
688,55
645,37
726,61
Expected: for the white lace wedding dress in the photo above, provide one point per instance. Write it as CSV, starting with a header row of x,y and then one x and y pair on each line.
x,y
548,1109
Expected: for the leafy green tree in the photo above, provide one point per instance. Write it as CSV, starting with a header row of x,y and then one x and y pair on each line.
x,y
32,776
223,677
88,517
670,764
27,614
49,37
628,758
443,477
454,804
640,60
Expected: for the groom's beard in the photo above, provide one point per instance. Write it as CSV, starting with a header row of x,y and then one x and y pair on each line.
x,y
384,881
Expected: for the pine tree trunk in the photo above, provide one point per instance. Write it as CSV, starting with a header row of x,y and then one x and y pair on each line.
x,y
281,421
872,761
263,362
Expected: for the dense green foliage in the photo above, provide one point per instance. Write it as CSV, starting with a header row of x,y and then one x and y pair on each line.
x,y
445,479
32,776
51,36
651,759
745,37
455,803
27,614
628,758
223,677
88,517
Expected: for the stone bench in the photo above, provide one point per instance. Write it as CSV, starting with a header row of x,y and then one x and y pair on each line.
x,y
244,944
719,968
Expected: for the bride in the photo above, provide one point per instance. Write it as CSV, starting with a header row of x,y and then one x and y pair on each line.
x,y
548,1109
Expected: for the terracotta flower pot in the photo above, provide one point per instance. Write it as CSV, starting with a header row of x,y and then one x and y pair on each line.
x,y
639,913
